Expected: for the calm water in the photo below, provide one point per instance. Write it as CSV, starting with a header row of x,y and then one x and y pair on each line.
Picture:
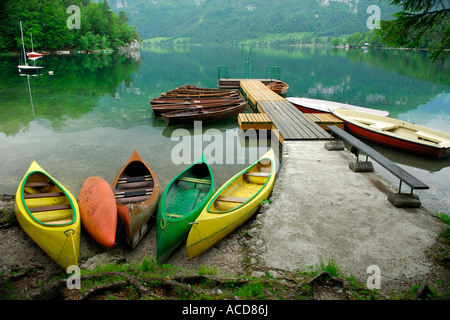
x,y
85,119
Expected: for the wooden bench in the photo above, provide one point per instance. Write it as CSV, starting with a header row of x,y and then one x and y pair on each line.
x,y
397,171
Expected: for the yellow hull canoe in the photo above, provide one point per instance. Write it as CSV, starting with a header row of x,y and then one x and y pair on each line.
x,y
233,204
49,214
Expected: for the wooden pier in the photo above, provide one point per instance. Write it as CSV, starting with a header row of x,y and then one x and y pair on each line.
x,y
291,123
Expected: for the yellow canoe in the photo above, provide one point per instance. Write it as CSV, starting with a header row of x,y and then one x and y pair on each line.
x,y
49,214
233,204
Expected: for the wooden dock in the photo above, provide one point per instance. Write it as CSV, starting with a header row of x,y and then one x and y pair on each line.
x,y
326,119
226,83
255,121
291,123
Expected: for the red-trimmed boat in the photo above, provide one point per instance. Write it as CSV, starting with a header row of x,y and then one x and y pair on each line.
x,y
396,133
308,105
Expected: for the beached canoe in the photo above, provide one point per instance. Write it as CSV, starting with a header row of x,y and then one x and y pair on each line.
x,y
181,203
308,105
396,133
49,214
137,191
233,204
98,210
207,114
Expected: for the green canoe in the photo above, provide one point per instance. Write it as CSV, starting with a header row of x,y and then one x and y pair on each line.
x,y
182,201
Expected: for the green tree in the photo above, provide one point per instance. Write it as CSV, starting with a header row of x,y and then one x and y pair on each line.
x,y
422,23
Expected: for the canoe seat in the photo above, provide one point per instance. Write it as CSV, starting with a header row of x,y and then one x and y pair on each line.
x,y
383,126
43,195
130,194
174,215
39,184
135,179
257,174
428,136
50,208
231,199
195,180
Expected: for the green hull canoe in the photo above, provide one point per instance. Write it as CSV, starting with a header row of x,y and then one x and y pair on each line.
x,y
181,203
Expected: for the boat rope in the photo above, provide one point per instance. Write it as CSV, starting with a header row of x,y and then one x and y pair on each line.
x,y
69,234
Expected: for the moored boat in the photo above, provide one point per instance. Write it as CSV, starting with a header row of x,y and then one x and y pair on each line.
x,y
49,214
278,87
181,203
98,210
161,108
308,105
203,114
233,204
137,191
191,91
396,133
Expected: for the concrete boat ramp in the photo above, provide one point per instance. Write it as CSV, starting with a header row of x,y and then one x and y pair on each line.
x,y
323,210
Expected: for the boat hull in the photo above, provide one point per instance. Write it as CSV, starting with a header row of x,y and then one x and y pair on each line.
x,y
411,142
98,210
308,105
59,239
181,203
222,215
135,214
208,114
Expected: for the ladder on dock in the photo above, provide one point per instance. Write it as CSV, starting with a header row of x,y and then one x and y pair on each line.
x,y
291,123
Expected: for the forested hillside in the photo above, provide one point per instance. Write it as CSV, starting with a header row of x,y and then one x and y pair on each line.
x,y
220,21
46,21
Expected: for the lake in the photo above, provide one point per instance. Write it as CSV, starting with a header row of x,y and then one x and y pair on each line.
x,y
86,118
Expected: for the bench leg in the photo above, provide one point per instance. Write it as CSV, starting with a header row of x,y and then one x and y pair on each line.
x,y
361,166
334,145
404,200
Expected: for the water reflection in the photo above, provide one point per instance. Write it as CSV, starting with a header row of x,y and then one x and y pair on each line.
x,y
85,118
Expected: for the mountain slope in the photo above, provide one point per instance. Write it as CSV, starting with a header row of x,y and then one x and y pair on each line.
x,y
234,20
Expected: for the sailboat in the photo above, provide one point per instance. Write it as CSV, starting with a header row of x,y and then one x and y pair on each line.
x,y
33,55
25,67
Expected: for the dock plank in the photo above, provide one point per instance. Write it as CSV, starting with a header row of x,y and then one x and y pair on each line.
x,y
291,123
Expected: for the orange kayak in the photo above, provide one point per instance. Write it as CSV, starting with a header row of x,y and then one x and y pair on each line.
x,y
137,191
98,210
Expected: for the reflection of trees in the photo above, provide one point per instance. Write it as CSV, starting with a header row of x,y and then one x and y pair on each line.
x,y
74,90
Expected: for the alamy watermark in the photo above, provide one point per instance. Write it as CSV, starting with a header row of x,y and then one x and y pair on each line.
x,y
74,21
374,280
229,147
374,21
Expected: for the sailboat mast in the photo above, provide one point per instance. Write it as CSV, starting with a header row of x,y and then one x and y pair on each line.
x,y
23,45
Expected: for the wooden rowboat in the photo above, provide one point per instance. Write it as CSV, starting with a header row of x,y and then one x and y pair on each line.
x,y
187,100
203,114
192,92
308,105
49,214
233,204
278,87
396,133
181,203
161,108
137,191
98,210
